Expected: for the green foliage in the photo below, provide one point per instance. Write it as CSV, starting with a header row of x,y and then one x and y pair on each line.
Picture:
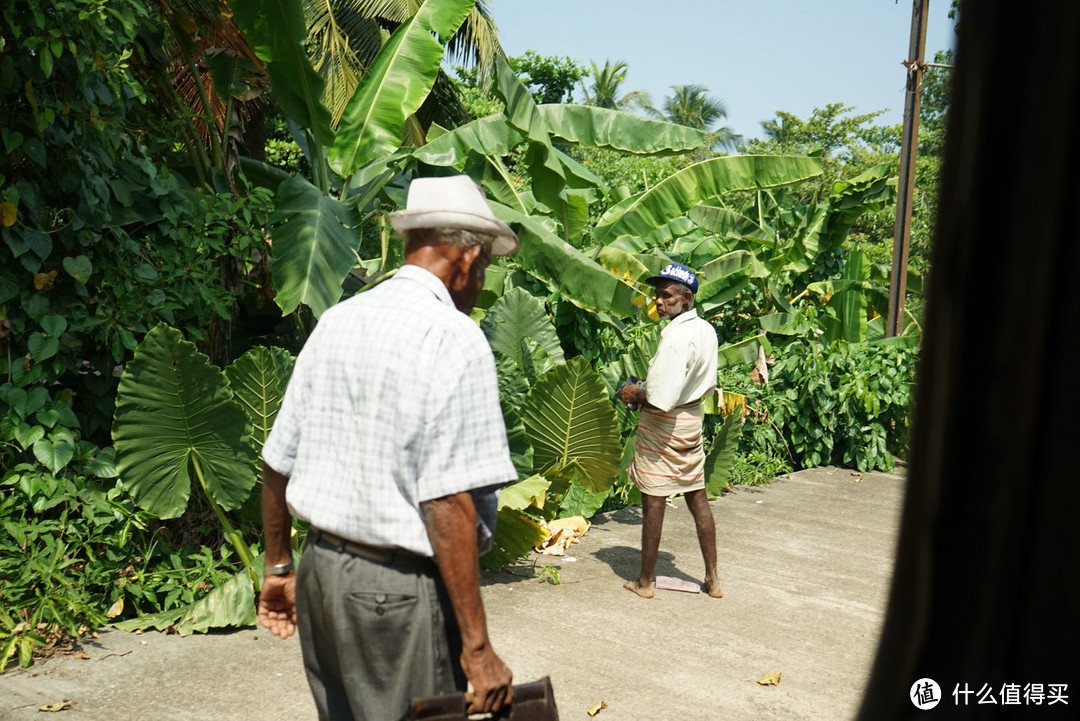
x,y
843,404
395,85
75,551
549,78
111,232
756,468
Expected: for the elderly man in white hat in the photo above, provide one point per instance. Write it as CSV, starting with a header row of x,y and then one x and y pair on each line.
x,y
390,442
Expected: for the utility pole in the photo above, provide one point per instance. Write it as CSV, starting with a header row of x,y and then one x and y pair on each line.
x,y
909,146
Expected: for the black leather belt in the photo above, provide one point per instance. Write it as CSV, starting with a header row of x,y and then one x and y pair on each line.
x,y
385,556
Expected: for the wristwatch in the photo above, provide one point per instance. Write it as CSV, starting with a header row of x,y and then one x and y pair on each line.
x,y
278,569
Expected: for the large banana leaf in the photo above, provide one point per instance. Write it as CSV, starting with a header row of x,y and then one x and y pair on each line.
x,y
602,128
545,169
708,179
489,172
745,351
491,135
276,31
314,246
570,421
174,409
256,381
849,304
395,85
729,223
631,267
721,458
580,279
518,316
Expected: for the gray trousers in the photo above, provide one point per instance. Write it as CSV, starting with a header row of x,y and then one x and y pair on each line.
x,y
373,636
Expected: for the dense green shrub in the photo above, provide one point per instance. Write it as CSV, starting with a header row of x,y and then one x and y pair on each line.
x,y
845,404
75,553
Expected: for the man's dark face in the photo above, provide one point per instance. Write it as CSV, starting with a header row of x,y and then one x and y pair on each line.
x,y
468,279
672,299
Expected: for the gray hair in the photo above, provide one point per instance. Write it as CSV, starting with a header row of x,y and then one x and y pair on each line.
x,y
458,237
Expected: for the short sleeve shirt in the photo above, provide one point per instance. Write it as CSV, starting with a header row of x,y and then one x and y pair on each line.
x,y
685,364
394,401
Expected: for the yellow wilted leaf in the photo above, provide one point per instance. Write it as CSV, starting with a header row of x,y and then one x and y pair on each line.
x,y
733,402
45,281
772,678
8,213
116,609
596,709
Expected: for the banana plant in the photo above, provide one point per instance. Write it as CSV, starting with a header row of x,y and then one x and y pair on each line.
x,y
314,232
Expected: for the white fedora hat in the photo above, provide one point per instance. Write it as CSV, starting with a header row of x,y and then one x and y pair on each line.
x,y
453,202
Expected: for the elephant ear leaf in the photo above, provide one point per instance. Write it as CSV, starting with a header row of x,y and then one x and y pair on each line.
x,y
256,380
314,246
518,316
175,413
570,421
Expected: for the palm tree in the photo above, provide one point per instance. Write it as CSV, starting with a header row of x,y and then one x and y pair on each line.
x,y
345,35
604,91
691,105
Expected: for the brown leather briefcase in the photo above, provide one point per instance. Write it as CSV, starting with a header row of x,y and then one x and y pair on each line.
x,y
532,702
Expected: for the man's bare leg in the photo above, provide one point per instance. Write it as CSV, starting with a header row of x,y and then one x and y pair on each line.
x,y
698,503
651,525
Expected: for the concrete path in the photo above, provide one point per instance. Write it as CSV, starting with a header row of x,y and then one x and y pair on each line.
x,y
806,566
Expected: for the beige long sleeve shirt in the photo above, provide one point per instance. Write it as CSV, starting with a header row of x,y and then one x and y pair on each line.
x,y
684,367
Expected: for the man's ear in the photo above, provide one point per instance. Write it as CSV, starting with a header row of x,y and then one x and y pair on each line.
x,y
470,255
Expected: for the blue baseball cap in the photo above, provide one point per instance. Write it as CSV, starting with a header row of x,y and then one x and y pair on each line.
x,y
678,273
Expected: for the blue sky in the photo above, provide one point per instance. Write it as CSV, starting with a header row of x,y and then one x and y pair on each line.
x,y
758,56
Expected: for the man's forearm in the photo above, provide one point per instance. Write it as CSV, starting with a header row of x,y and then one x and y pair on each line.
x,y
451,526
277,521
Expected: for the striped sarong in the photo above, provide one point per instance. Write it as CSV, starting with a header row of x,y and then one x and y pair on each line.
x,y
668,455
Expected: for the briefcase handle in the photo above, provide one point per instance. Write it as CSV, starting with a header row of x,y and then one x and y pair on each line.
x,y
532,702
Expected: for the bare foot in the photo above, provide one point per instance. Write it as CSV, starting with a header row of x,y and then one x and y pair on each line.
x,y
636,587
715,587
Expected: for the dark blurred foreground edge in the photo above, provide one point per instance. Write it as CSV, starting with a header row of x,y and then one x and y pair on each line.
x,y
984,590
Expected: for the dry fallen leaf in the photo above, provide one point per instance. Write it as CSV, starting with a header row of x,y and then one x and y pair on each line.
x,y
54,707
562,532
596,709
82,655
772,678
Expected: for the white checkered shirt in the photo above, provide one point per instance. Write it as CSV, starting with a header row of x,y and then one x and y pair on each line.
x,y
393,401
